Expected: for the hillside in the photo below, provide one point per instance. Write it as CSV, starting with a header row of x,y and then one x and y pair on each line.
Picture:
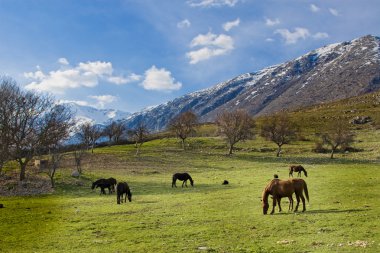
x,y
326,74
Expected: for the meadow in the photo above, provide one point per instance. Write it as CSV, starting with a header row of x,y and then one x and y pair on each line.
x,y
343,214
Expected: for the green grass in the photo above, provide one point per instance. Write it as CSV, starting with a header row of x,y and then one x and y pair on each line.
x,y
344,202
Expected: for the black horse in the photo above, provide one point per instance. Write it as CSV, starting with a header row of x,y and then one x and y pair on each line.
x,y
183,177
123,188
104,183
113,183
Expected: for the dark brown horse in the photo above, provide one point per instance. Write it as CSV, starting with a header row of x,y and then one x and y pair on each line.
x,y
182,177
103,184
123,188
297,168
284,188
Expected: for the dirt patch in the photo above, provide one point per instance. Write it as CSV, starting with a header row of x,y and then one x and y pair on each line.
x,y
34,184
284,242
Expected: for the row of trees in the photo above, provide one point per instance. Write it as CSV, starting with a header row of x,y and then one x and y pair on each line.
x,y
238,126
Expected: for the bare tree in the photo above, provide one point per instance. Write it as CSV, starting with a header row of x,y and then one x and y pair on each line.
x,y
78,157
7,104
34,123
183,125
55,158
235,126
139,134
114,131
279,129
337,134
89,134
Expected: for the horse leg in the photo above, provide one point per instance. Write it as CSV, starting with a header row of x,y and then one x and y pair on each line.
x,y
303,202
274,205
298,202
118,198
299,174
279,204
125,198
290,203
185,183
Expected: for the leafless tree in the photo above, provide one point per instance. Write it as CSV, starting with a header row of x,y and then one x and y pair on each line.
x,y
55,158
337,134
114,131
279,129
183,125
78,157
235,126
34,123
89,134
139,134
7,104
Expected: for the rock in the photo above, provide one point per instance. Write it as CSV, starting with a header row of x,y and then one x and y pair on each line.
x,y
75,173
225,182
360,120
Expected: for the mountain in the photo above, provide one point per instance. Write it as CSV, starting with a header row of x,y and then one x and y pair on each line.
x,y
330,73
90,114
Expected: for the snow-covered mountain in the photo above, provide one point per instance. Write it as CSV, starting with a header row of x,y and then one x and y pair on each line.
x,y
90,114
329,73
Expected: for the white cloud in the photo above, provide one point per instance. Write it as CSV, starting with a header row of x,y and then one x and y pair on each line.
x,y
63,61
314,8
229,25
334,12
269,40
299,33
293,37
270,22
123,80
79,102
320,35
87,74
184,24
212,3
159,79
102,100
211,45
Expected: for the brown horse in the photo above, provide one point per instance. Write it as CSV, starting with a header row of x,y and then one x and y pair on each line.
x,y
285,188
297,168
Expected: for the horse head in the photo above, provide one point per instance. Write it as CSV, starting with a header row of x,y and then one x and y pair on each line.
x,y
93,185
265,207
129,194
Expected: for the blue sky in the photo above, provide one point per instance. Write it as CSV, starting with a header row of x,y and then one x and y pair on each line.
x,y
132,54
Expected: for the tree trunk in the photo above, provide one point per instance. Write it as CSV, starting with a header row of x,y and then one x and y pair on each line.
x,y
231,149
23,170
183,144
278,151
332,153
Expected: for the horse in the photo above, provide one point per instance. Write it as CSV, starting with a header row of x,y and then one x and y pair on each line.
x,y
123,188
297,168
284,188
275,176
113,183
104,183
183,177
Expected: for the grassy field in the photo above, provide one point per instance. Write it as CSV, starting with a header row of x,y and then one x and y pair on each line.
x,y
343,214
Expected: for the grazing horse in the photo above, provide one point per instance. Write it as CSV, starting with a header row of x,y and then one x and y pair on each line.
x,y
183,177
113,183
103,183
123,188
284,188
297,168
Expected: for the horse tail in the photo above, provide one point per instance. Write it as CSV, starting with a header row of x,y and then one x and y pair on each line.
x,y
306,191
